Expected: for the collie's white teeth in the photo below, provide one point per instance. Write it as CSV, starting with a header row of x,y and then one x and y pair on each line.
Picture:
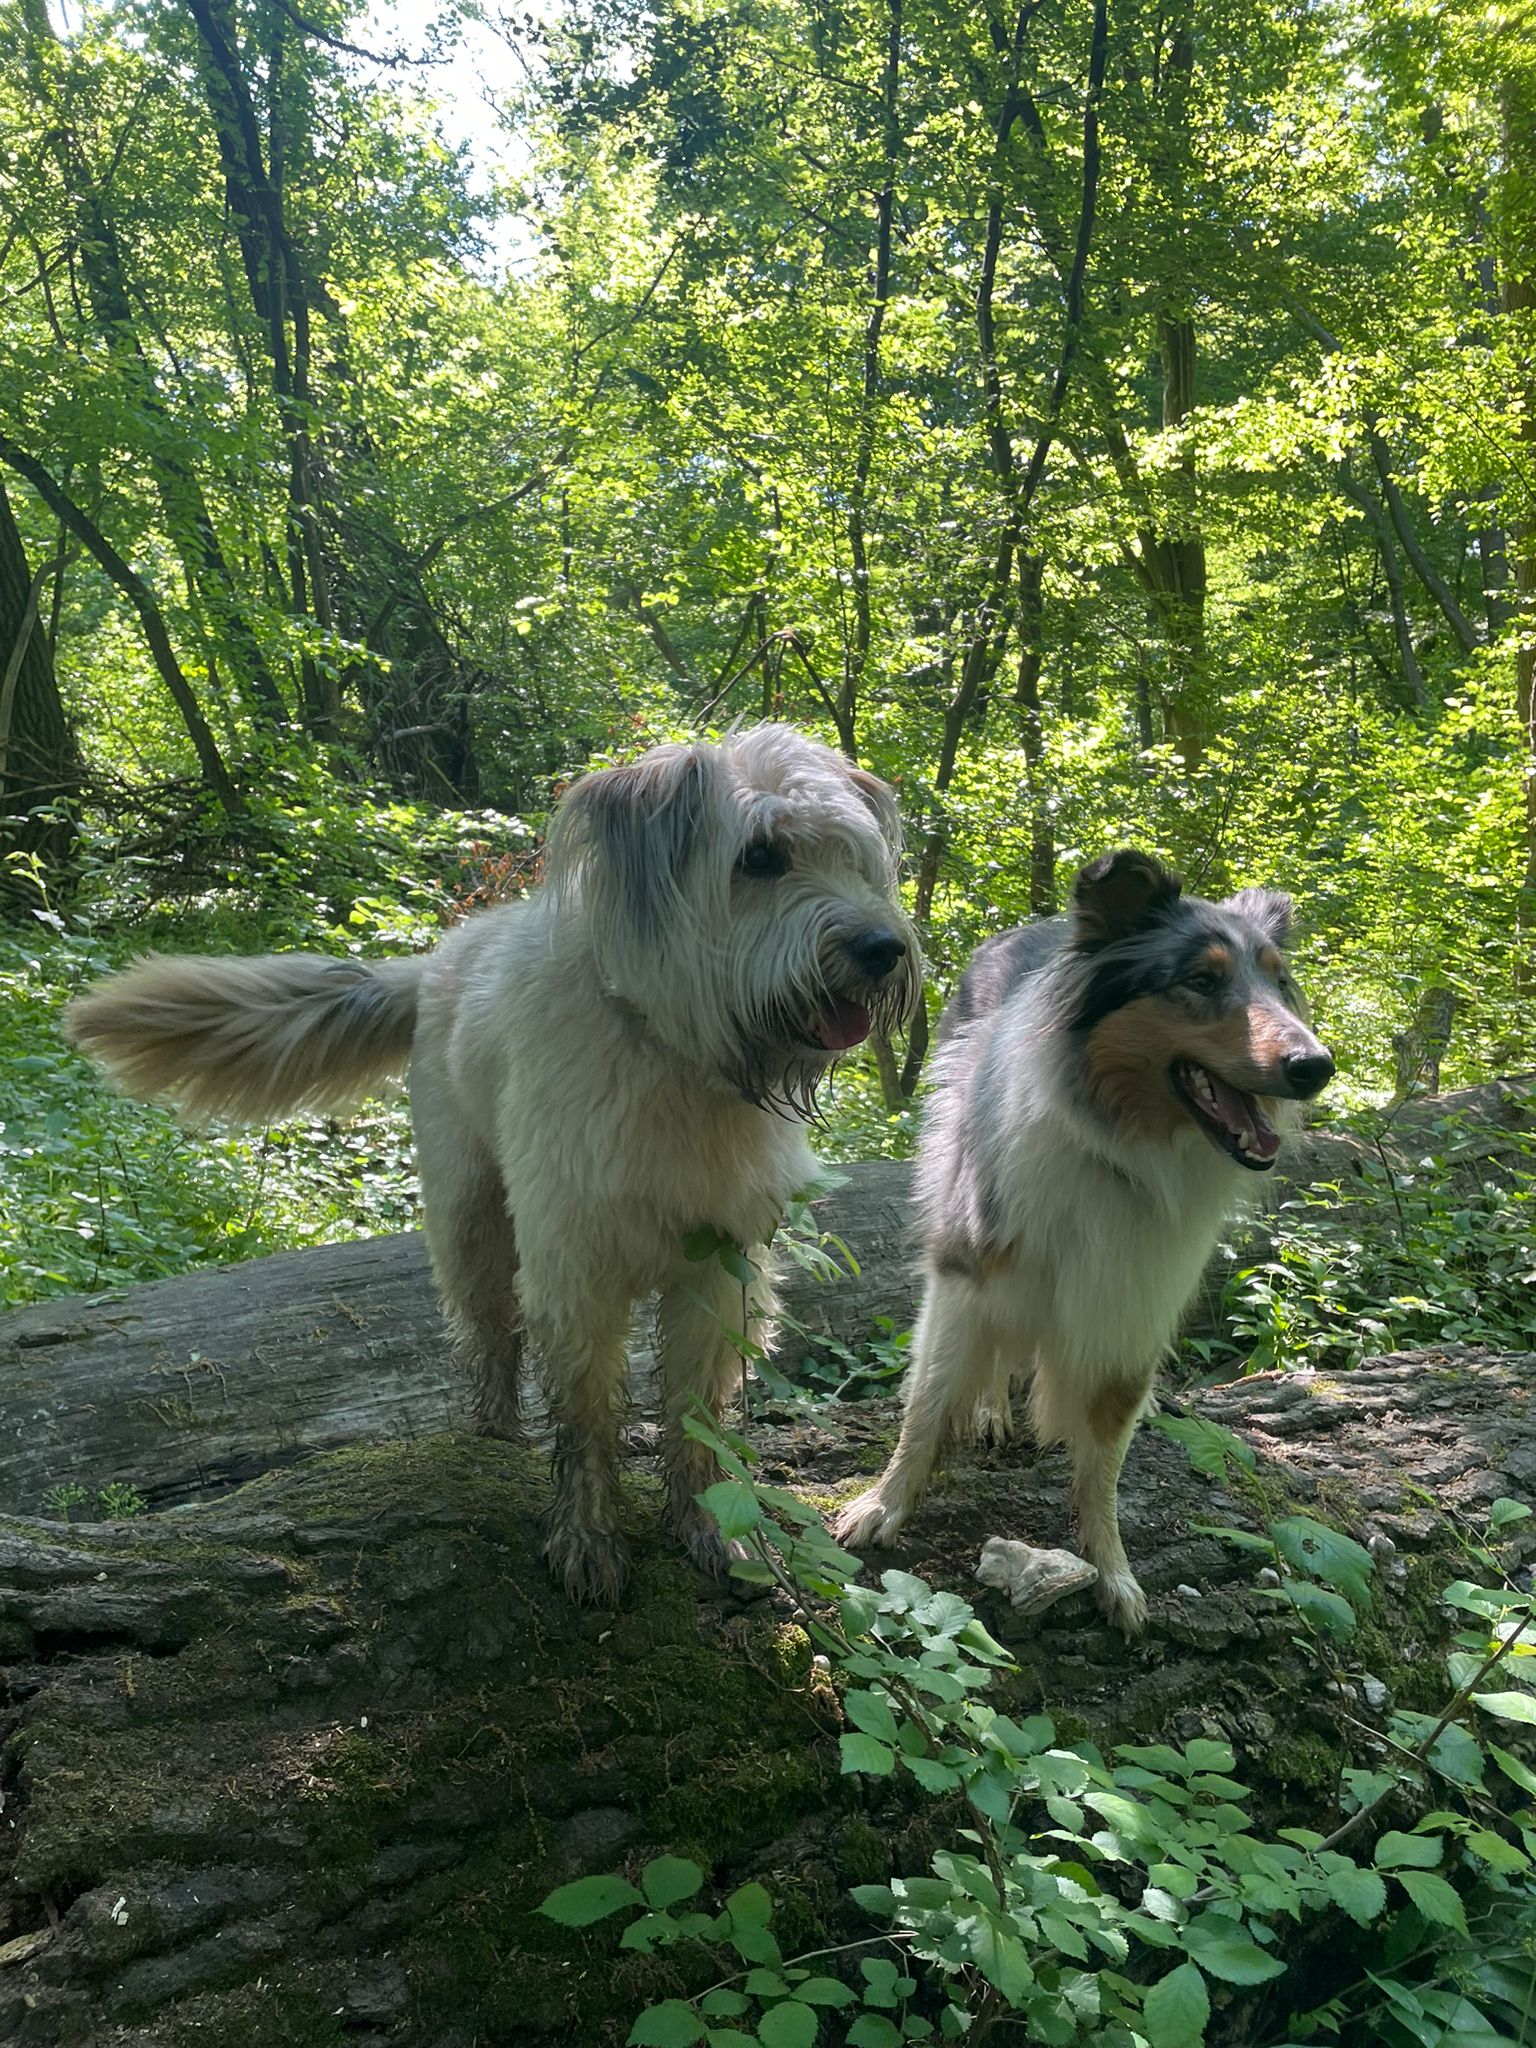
x,y
1245,1139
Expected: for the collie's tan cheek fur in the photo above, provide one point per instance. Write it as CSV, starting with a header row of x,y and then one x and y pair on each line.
x,y
1128,1058
1130,1053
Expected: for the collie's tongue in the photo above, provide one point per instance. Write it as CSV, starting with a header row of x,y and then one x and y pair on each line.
x,y
840,1024
1244,1118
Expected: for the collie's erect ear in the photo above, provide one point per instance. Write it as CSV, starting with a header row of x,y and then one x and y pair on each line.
x,y
881,799
625,835
1270,909
1120,893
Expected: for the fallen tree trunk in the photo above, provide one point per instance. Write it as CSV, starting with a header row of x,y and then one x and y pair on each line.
x,y
185,1387
296,1766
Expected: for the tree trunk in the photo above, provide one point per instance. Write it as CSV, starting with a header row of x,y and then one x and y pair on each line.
x,y
1042,838
856,656
1518,265
1415,694
188,521
301,1764
38,759
189,1386
151,618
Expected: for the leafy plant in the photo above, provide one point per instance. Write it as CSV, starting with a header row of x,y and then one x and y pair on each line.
x,y
1106,1899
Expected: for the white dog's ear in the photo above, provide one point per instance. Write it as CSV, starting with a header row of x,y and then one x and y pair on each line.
x,y
1120,893
881,799
626,834
1270,909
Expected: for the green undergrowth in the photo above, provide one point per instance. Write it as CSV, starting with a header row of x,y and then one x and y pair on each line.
x,y
1126,1894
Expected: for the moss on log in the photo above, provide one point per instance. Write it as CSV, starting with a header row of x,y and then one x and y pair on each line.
x,y
294,1766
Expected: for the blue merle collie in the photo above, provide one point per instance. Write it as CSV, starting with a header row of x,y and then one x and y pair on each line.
x,y
1105,1084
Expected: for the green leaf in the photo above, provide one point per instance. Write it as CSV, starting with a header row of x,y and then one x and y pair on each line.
x,y
880,1977
825,1991
858,1607
871,1712
1222,1950
669,1879
1325,1610
749,1906
699,1245
1176,2009
932,1776
1517,1772
1206,1444
1508,1706
1327,1554
651,1931
1496,1852
723,2003
1396,1850
1360,1893
765,1984
790,2025
874,1898
589,1899
737,1264
730,2037
1435,1899
1506,1513
1204,1755
734,1506
668,2025
999,1955
873,2030
863,1753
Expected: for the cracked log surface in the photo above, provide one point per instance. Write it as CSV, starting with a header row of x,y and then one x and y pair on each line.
x,y
185,1387
294,1765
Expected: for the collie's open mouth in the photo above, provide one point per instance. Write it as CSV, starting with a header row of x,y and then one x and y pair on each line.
x,y
1231,1119
839,1024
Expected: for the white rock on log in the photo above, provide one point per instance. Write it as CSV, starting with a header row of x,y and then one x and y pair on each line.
x,y
1032,1579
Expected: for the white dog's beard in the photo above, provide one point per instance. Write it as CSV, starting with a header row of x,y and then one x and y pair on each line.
x,y
781,1061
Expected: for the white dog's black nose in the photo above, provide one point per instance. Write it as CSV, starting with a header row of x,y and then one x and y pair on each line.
x,y
1309,1072
877,951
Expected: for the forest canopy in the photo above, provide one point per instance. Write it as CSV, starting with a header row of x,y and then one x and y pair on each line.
x,y
1108,422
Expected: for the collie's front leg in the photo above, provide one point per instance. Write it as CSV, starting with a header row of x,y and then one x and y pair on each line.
x,y
1095,1412
954,1358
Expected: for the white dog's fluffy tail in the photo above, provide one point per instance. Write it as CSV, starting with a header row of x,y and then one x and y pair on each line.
x,y
251,1039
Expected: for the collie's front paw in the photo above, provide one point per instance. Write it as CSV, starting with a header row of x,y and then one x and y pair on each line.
x,y
1122,1600
867,1521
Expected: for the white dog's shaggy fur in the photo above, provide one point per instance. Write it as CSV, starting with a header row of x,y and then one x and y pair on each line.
x,y
595,1073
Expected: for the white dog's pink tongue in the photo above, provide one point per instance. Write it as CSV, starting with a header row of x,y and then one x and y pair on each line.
x,y
1244,1119
841,1024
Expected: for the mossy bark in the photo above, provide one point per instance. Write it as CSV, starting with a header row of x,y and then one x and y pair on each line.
x,y
297,1765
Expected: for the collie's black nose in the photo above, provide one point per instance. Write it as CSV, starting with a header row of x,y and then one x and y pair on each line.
x,y
1309,1072
877,951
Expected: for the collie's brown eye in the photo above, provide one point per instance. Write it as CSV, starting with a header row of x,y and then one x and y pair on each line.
x,y
1205,982
762,861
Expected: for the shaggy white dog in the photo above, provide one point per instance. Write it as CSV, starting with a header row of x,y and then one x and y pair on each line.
x,y
596,1072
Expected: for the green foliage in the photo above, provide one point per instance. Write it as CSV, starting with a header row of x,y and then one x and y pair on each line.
x,y
1110,1899
116,1502
1388,1258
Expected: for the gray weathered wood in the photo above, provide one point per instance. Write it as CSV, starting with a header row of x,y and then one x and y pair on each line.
x,y
184,1387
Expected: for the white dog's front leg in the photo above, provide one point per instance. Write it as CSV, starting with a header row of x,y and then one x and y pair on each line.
x,y
699,1316
584,1372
